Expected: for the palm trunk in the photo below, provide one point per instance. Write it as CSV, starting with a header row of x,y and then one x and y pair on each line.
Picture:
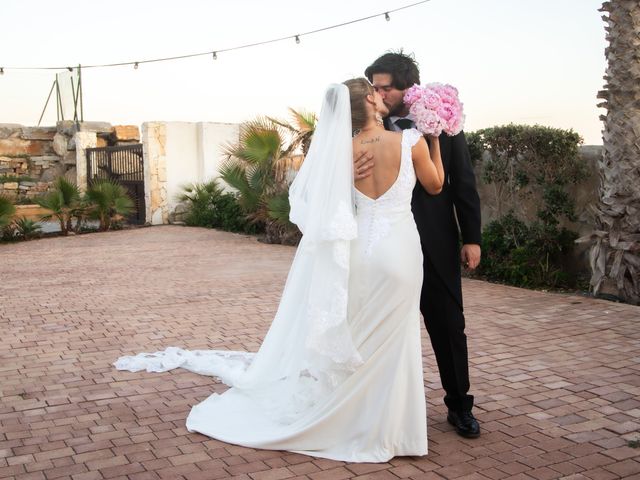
x,y
615,253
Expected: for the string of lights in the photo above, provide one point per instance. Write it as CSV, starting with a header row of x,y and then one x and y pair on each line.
x,y
214,53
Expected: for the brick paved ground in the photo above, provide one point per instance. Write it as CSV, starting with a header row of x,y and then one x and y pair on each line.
x,y
557,377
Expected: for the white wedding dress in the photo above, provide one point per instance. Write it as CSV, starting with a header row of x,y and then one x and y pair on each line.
x,y
339,374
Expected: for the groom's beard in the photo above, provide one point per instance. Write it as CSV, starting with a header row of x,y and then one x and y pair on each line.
x,y
397,111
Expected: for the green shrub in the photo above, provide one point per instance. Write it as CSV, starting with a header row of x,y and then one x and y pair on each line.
x,y
526,256
528,166
210,206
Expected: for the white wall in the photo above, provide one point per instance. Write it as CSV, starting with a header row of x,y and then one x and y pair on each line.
x,y
212,137
193,154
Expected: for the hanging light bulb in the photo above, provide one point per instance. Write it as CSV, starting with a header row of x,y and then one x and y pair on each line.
x,y
215,55
297,39
135,65
386,16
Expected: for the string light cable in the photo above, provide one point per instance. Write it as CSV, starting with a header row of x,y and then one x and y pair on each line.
x,y
214,53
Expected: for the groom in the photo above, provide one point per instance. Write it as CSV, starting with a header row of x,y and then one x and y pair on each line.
x,y
438,219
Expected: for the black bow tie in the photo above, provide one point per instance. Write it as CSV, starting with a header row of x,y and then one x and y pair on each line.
x,y
404,123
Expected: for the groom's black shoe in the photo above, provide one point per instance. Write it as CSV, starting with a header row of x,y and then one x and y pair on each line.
x,y
465,423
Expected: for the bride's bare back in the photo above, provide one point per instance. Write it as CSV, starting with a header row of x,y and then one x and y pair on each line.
x,y
385,147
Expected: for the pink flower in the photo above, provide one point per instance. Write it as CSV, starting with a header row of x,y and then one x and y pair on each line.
x,y
435,108
413,94
427,120
431,99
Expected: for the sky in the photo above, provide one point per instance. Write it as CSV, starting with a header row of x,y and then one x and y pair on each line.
x,y
513,61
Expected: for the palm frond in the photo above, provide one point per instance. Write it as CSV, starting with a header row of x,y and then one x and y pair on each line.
x,y
303,120
235,175
7,210
278,208
200,192
69,191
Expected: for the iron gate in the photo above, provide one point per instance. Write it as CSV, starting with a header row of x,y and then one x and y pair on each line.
x,y
123,164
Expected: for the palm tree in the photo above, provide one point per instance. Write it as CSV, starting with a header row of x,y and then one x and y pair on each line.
x,y
108,202
61,202
6,211
615,252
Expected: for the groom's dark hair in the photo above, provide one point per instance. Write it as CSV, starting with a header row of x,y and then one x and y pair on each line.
x,y
403,69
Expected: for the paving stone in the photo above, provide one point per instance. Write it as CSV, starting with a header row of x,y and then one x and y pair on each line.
x,y
555,375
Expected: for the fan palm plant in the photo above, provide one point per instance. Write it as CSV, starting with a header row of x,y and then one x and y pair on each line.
x,y
61,202
7,211
259,164
300,129
251,165
109,202
26,228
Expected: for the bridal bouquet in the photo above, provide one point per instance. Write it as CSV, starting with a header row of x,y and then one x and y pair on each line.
x,y
435,108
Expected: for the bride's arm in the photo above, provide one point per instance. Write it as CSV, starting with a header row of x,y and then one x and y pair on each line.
x,y
428,165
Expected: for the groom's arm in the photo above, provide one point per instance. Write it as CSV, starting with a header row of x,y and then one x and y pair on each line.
x,y
463,188
362,165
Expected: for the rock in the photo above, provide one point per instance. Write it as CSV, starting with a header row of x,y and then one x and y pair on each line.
x,y
16,146
181,208
28,184
45,160
38,133
67,127
10,194
101,142
98,127
71,175
11,185
60,144
50,174
13,147
8,130
69,158
126,133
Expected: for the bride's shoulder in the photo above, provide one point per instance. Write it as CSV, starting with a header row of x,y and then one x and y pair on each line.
x,y
389,134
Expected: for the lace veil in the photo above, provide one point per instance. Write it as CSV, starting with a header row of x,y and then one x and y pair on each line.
x,y
308,350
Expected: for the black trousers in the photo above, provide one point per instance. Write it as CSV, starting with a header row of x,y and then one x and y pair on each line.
x,y
444,320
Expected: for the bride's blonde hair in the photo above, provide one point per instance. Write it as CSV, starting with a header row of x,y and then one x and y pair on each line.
x,y
359,88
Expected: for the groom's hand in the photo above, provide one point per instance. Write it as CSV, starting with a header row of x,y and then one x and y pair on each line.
x,y
470,255
362,164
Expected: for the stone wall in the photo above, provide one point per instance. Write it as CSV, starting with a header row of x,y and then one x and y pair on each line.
x,y
583,194
32,158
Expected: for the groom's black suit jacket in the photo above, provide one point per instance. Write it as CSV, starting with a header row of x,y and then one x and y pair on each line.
x,y
435,215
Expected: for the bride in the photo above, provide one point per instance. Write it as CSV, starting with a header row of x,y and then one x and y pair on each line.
x,y
339,374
